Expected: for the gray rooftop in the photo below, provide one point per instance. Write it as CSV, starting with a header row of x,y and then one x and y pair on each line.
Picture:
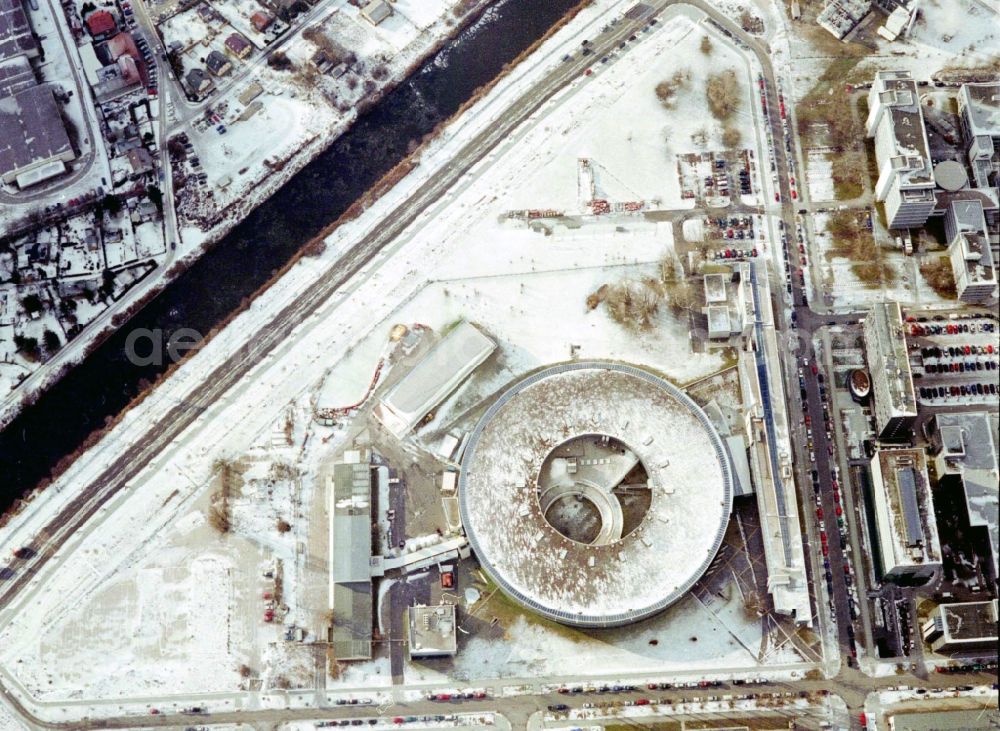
x,y
16,75
439,373
15,31
432,630
970,620
979,466
351,523
982,105
898,92
31,129
351,633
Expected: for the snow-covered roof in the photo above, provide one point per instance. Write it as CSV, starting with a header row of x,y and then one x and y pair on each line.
x,y
15,32
595,585
440,372
31,129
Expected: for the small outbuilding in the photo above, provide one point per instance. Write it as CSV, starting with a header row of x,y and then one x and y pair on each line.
x,y
376,11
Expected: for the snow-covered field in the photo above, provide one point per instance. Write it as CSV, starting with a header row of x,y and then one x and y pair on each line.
x,y
462,259
847,291
688,637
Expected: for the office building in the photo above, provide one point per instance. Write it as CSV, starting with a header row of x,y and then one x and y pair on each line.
x,y
906,181
895,401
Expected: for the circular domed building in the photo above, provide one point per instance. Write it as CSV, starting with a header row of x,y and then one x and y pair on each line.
x,y
595,493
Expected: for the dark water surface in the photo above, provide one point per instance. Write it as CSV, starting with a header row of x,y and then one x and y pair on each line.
x,y
211,289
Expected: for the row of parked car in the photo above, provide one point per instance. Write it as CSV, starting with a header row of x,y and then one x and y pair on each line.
x,y
932,393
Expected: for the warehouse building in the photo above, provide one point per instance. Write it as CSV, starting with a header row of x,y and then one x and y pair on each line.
x,y
889,365
908,546
963,626
437,375
906,181
16,38
34,145
350,591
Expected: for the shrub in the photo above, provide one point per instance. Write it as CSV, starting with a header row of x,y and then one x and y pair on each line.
x,y
706,45
937,272
722,92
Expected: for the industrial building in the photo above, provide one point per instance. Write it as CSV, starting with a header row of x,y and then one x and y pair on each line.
x,y
34,146
906,181
432,631
963,626
889,364
16,38
437,375
967,458
969,252
909,550
766,423
350,590
979,112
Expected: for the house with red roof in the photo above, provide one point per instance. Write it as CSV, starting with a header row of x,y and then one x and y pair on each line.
x,y
101,23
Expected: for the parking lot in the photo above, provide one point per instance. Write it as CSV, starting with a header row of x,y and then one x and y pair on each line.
x,y
955,362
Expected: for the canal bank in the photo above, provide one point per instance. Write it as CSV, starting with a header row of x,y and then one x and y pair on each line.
x,y
220,283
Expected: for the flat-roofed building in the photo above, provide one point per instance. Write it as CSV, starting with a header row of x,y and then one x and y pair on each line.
x,y
16,75
34,145
889,364
908,546
432,631
979,112
969,251
895,121
16,38
350,592
840,17
437,375
962,626
766,421
967,458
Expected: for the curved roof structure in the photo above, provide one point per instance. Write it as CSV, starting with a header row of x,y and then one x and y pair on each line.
x,y
624,580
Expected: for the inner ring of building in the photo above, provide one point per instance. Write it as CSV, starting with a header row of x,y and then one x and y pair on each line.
x,y
593,489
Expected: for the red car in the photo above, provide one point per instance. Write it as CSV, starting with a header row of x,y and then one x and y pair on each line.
x,y
777,196
826,550
838,511
819,513
642,702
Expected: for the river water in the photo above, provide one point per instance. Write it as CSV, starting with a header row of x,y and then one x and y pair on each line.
x,y
101,386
